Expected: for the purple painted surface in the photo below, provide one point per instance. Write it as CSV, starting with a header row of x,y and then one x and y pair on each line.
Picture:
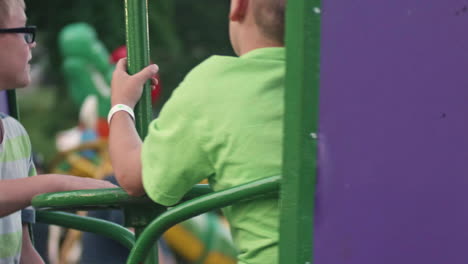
x,y
393,165
3,102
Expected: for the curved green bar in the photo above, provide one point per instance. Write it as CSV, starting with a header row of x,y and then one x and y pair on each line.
x,y
197,191
136,22
195,207
86,199
88,224
102,198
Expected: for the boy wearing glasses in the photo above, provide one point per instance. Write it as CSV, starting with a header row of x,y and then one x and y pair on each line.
x,y
223,122
16,188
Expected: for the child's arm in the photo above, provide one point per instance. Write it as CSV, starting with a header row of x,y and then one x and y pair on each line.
x,y
125,153
17,194
29,254
124,142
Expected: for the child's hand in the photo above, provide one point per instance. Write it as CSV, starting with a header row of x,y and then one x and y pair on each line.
x,y
127,89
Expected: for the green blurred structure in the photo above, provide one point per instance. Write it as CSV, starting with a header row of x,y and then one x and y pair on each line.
x,y
86,65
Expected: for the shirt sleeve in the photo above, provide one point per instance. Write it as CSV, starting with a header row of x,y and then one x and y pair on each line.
x,y
173,159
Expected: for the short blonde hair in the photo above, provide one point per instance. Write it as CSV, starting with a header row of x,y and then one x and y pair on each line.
x,y
269,16
5,9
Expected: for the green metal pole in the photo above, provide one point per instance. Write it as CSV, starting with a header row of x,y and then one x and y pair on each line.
x,y
300,131
152,252
12,104
136,16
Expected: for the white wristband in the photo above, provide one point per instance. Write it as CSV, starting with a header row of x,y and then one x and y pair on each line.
x,y
120,107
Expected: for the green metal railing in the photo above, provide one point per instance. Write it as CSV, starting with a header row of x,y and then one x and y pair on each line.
x,y
199,200
136,26
88,224
136,18
196,207
103,198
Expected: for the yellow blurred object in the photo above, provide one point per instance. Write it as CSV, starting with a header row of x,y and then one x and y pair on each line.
x,y
82,166
191,248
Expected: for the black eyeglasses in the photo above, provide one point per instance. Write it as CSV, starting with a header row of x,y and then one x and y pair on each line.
x,y
29,32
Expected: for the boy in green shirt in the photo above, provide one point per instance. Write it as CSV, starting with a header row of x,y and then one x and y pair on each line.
x,y
223,122
16,188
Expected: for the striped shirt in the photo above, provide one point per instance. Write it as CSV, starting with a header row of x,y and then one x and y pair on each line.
x,y
15,162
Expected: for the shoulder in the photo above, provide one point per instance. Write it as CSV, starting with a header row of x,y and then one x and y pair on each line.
x,y
206,77
212,66
192,91
12,125
14,130
219,68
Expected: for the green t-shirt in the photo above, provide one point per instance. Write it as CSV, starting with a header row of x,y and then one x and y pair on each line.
x,y
224,122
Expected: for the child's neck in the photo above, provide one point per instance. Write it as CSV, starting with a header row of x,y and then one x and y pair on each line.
x,y
252,41
248,49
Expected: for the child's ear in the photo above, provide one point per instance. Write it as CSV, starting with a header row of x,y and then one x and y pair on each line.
x,y
238,9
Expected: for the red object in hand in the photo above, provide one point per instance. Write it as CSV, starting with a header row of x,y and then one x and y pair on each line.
x,y
157,91
117,54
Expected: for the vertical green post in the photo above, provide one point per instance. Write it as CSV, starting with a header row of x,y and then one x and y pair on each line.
x,y
136,17
13,109
300,128
136,23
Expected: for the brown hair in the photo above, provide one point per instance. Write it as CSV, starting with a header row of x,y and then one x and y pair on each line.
x,y
5,9
269,16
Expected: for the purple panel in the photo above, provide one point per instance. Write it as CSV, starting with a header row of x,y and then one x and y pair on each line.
x,y
3,102
393,164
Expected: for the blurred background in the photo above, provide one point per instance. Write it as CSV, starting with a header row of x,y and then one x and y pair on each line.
x,y
64,109
182,34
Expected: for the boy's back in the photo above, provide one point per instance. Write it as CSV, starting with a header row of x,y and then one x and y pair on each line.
x,y
224,120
